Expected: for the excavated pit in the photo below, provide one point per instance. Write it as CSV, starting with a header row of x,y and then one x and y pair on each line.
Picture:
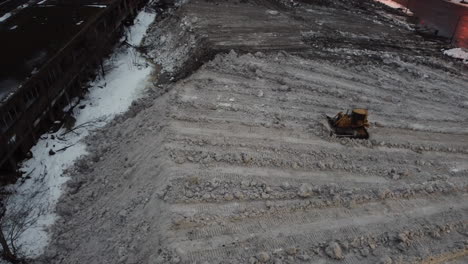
x,y
233,164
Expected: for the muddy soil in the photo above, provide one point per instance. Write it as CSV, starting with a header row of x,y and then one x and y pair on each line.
x,y
228,160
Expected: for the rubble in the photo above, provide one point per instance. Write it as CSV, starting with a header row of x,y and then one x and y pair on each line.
x,y
334,251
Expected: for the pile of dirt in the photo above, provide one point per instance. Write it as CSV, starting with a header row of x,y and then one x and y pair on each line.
x,y
233,163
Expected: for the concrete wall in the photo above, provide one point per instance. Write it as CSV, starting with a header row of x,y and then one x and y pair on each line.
x,y
451,20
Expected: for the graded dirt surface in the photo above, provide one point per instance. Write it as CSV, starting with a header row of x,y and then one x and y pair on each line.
x,y
233,164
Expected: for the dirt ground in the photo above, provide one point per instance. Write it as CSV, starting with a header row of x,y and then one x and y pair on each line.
x,y
227,160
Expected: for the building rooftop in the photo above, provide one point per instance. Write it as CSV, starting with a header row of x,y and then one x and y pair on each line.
x,y
32,35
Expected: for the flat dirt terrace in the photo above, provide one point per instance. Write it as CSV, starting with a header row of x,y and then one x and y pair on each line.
x,y
230,162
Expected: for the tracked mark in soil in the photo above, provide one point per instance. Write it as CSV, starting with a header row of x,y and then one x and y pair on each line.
x,y
234,164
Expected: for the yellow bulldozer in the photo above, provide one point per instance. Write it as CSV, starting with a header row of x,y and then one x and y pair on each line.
x,y
352,125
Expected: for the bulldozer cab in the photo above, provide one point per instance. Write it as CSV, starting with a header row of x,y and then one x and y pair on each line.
x,y
350,125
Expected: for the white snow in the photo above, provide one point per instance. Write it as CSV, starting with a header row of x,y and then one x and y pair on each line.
x,y
108,97
272,12
5,17
458,53
395,5
391,4
458,2
98,6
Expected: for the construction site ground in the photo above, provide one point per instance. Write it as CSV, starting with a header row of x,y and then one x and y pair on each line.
x,y
228,159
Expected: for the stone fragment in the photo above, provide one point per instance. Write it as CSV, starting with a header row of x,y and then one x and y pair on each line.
x,y
305,190
285,186
273,12
228,197
239,195
291,251
386,260
334,251
263,257
403,237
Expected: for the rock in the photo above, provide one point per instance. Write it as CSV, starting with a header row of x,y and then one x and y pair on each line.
x,y
278,261
365,252
305,190
259,54
321,165
127,173
378,124
435,234
285,186
304,257
228,197
383,193
179,160
122,251
404,173
291,251
269,204
245,184
273,12
239,195
386,260
345,245
429,189
295,165
334,251
123,259
263,257
284,88
403,237
123,213
189,194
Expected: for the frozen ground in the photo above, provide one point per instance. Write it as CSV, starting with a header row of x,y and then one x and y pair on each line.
x,y
232,163
108,96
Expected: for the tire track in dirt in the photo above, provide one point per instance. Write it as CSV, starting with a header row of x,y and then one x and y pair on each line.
x,y
234,164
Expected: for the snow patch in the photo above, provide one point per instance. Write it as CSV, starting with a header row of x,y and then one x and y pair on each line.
x,y
458,53
5,17
272,12
395,5
98,6
391,4
109,96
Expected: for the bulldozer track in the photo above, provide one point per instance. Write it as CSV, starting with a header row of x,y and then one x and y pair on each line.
x,y
234,162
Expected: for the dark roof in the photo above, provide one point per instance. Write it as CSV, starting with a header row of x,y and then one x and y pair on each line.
x,y
34,34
